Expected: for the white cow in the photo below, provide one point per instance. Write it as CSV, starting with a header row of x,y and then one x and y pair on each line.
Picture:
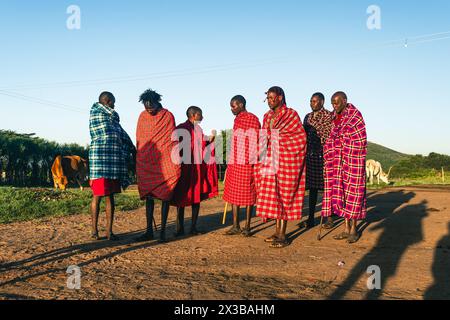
x,y
374,170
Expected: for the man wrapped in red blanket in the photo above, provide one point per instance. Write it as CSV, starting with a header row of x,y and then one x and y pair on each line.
x,y
345,167
240,187
199,180
281,172
157,173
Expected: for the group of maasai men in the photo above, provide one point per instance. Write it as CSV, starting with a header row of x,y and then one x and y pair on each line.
x,y
269,166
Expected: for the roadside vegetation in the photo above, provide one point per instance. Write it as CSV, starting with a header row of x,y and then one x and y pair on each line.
x,y
22,204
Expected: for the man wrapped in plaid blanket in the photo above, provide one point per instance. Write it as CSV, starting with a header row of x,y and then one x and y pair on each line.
x,y
240,188
111,147
317,125
345,167
281,174
109,155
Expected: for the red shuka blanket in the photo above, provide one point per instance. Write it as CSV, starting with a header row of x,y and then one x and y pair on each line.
x,y
240,178
199,180
281,187
157,174
345,166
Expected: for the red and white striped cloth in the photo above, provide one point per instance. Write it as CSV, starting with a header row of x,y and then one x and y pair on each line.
x,y
240,187
280,193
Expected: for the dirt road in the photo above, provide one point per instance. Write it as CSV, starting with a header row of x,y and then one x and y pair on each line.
x,y
407,235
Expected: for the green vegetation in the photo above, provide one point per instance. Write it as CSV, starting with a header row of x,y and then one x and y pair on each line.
x,y
223,158
22,204
26,160
387,157
406,169
431,179
418,166
412,170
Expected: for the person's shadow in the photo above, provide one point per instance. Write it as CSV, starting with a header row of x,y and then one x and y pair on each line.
x,y
440,290
401,229
153,160
27,268
381,206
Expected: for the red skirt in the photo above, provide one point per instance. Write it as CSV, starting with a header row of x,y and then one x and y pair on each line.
x,y
105,187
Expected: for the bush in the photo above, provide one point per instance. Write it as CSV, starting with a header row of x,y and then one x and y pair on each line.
x,y
420,167
22,204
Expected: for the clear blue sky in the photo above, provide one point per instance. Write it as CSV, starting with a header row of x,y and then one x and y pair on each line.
x,y
171,46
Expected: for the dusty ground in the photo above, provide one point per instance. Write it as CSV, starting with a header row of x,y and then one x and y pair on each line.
x,y
407,236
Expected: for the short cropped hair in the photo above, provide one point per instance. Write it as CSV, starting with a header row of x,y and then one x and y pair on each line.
x,y
319,95
239,99
340,94
192,111
107,94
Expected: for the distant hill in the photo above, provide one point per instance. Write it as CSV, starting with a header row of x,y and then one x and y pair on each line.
x,y
387,157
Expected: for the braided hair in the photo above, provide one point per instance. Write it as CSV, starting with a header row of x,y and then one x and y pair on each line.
x,y
279,92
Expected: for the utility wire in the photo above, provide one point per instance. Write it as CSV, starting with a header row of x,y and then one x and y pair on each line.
x,y
186,72
47,103
160,75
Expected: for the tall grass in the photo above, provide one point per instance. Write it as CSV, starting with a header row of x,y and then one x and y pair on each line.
x,y
432,179
23,204
435,178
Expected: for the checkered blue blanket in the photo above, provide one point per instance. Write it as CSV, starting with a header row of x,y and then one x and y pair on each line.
x,y
111,147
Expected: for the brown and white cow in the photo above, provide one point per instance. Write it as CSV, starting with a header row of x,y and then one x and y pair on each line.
x,y
69,169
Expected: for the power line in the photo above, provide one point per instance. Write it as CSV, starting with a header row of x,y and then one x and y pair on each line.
x,y
160,75
186,72
227,67
215,68
431,35
430,40
44,102
414,40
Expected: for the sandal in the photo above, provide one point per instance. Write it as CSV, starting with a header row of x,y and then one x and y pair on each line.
x,y
271,239
353,238
145,237
307,224
328,225
341,236
95,236
278,244
162,238
246,233
113,237
179,234
233,232
195,232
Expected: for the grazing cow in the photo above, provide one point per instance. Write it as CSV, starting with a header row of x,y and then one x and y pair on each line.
x,y
69,168
374,170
